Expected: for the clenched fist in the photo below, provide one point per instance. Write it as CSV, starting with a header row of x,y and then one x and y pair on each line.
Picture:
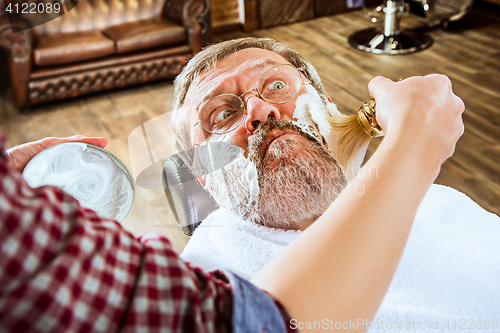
x,y
420,111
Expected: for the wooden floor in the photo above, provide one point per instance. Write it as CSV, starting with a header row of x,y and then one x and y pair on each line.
x,y
469,53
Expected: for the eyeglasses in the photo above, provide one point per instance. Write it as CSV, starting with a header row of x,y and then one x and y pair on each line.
x,y
224,113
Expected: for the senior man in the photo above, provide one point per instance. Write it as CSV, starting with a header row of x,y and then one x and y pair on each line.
x,y
245,92
251,92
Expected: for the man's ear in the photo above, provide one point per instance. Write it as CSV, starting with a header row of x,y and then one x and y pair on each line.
x,y
329,99
201,181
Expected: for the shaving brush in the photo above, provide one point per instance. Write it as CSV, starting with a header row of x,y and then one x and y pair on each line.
x,y
350,135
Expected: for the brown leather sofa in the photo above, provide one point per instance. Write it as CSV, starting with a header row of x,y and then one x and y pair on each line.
x,y
101,45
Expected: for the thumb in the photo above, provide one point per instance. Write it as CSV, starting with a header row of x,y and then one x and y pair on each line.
x,y
100,141
378,85
97,141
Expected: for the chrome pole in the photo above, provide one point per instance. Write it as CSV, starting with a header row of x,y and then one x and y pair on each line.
x,y
390,39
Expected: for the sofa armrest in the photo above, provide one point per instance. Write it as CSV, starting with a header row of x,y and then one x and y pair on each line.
x,y
193,15
20,45
18,42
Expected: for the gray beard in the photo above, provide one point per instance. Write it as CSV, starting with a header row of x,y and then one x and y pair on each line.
x,y
294,188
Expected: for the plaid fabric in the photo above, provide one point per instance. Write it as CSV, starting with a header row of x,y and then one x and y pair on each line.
x,y
65,269
168,287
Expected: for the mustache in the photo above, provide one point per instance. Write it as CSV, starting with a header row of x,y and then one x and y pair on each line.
x,y
262,131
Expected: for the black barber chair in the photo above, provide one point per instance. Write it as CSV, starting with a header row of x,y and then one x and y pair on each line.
x,y
188,200
391,40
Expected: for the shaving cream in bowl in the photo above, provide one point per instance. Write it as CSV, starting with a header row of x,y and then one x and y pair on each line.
x,y
94,176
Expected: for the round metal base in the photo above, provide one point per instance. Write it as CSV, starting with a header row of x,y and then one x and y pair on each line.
x,y
374,41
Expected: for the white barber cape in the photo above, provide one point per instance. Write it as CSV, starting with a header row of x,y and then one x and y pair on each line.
x,y
449,273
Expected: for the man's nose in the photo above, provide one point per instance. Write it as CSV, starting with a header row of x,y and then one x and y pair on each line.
x,y
259,111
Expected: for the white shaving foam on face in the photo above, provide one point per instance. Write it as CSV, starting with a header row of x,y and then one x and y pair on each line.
x,y
219,158
87,174
310,112
310,118
310,109
252,180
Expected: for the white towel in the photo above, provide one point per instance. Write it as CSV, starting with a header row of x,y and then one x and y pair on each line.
x,y
225,241
450,269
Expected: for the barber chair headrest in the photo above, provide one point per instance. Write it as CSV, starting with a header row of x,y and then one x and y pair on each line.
x,y
189,201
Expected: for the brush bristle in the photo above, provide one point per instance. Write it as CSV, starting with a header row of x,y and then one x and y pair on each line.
x,y
353,138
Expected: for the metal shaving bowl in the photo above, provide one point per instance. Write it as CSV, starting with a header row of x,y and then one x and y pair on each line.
x,y
94,176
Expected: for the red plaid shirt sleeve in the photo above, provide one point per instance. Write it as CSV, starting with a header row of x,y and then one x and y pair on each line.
x,y
65,269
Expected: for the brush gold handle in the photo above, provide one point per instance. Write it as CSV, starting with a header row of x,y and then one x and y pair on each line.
x,y
368,121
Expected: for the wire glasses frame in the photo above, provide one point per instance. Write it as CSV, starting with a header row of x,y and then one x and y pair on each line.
x,y
277,85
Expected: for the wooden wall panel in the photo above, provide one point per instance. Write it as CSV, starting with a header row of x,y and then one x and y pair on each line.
x,y
251,15
275,12
328,7
224,12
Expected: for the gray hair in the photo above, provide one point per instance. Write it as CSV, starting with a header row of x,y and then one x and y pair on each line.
x,y
207,58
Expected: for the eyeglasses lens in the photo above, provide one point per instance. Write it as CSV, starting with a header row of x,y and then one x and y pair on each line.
x,y
222,114
279,84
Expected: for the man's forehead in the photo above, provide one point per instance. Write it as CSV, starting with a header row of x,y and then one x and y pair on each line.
x,y
246,61
256,58
250,62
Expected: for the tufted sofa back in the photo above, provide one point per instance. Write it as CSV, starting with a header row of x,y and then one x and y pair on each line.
x,y
93,15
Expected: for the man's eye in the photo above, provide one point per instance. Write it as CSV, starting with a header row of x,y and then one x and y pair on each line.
x,y
277,85
223,115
